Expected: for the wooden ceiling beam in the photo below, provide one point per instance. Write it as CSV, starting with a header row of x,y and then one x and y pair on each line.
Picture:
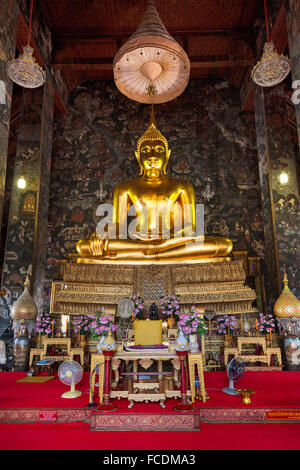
x,y
105,63
77,36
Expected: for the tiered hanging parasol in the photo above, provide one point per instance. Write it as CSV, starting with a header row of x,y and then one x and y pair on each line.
x,y
151,67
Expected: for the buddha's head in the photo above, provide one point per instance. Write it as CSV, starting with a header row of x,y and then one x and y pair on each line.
x,y
152,152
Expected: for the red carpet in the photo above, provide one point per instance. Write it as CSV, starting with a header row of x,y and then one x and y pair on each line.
x,y
273,389
212,436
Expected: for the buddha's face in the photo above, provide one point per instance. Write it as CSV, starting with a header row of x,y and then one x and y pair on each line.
x,y
153,158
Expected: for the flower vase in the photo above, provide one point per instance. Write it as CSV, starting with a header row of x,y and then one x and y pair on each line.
x,y
181,342
99,344
82,342
193,343
171,322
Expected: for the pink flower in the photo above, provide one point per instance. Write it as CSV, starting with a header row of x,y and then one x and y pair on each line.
x,y
187,329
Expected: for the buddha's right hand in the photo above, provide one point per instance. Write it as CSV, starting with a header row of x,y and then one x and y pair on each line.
x,y
97,246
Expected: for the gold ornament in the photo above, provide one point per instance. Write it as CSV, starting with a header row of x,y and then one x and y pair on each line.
x,y
24,307
246,394
272,68
287,304
109,343
25,71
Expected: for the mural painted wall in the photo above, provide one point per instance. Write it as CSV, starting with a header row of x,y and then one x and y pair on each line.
x,y
213,145
8,29
27,229
277,153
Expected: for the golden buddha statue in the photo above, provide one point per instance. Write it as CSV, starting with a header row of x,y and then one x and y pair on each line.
x,y
165,210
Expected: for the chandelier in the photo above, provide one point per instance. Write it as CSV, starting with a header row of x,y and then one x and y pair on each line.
x,y
24,70
273,67
151,67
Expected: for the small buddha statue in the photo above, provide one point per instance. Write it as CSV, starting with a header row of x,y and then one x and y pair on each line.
x,y
153,309
160,204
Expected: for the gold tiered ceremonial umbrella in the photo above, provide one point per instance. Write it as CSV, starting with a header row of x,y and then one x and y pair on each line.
x,y
151,67
287,305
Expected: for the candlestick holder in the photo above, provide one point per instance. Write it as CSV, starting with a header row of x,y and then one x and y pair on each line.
x,y
107,406
183,406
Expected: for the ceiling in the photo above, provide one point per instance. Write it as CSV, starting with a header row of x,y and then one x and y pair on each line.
x,y
217,35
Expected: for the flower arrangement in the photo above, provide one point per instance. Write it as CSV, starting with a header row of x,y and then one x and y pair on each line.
x,y
138,306
190,323
265,323
226,324
100,325
81,324
170,306
44,324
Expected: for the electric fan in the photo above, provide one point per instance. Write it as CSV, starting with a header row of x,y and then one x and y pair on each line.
x,y
70,373
235,371
125,309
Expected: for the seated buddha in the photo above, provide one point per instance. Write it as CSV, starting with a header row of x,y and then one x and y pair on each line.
x,y
165,210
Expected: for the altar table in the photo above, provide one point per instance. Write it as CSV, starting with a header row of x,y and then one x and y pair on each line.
x,y
151,391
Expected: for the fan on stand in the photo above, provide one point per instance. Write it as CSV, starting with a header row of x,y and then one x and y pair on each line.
x,y
70,373
125,309
235,371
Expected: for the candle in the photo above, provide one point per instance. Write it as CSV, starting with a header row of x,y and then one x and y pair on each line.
x,y
39,337
256,326
52,326
241,323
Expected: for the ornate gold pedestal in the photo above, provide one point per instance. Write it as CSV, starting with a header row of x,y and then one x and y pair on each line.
x,y
82,288
219,286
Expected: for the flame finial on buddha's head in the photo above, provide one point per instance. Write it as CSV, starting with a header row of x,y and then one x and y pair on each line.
x,y
152,134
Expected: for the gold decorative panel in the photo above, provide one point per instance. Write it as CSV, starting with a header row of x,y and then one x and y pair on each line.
x,y
86,287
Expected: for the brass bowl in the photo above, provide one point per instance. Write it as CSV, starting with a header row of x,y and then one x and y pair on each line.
x,y
246,393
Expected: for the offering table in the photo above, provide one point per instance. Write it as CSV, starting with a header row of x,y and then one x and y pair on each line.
x,y
151,391
264,357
